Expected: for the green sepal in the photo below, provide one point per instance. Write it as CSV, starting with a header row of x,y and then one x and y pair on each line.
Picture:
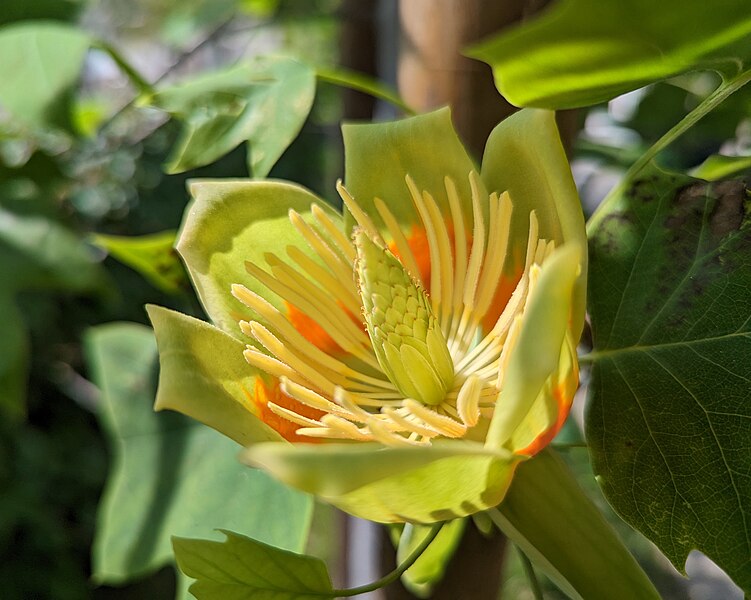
x,y
537,354
377,157
231,222
558,527
524,156
203,375
447,480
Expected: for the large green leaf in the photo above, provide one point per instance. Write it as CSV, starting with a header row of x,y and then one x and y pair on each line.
x,y
264,102
550,518
40,61
171,475
40,253
581,52
669,413
242,568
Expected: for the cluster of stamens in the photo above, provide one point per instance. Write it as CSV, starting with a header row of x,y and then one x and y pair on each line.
x,y
355,396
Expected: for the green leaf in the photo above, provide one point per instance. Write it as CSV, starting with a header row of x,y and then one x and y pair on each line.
x,y
40,62
171,476
264,102
39,253
362,83
669,411
719,166
555,524
447,480
242,568
430,567
151,255
581,52
36,251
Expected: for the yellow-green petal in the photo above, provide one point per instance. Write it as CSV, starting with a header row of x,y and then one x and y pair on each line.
x,y
389,485
378,156
230,222
525,157
203,375
537,354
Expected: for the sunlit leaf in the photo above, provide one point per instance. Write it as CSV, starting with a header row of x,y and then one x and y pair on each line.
x,y
718,166
151,255
241,567
581,52
669,415
171,476
264,103
362,83
40,61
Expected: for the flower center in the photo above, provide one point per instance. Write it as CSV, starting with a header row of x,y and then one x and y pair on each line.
x,y
406,337
426,364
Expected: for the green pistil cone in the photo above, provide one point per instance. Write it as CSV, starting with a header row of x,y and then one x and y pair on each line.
x,y
406,337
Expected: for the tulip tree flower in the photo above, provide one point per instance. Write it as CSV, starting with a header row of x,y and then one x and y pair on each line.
x,y
398,361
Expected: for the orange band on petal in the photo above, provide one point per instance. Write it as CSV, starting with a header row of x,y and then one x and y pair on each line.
x,y
501,296
418,244
563,400
312,331
263,394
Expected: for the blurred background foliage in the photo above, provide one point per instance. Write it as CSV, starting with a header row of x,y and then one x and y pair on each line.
x,y
91,171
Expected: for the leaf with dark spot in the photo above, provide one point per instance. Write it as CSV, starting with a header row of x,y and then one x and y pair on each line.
x,y
669,422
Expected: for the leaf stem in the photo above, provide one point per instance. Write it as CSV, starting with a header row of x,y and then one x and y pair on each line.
x,y
363,83
396,573
143,86
725,89
529,571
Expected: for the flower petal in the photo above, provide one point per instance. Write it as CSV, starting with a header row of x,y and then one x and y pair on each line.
x,y
527,400
230,222
378,156
384,484
203,375
524,156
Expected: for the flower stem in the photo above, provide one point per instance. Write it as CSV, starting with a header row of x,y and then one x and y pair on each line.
x,y
396,573
725,89
529,571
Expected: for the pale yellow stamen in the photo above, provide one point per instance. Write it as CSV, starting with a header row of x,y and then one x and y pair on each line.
x,y
402,246
343,244
321,248
363,220
359,401
468,401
